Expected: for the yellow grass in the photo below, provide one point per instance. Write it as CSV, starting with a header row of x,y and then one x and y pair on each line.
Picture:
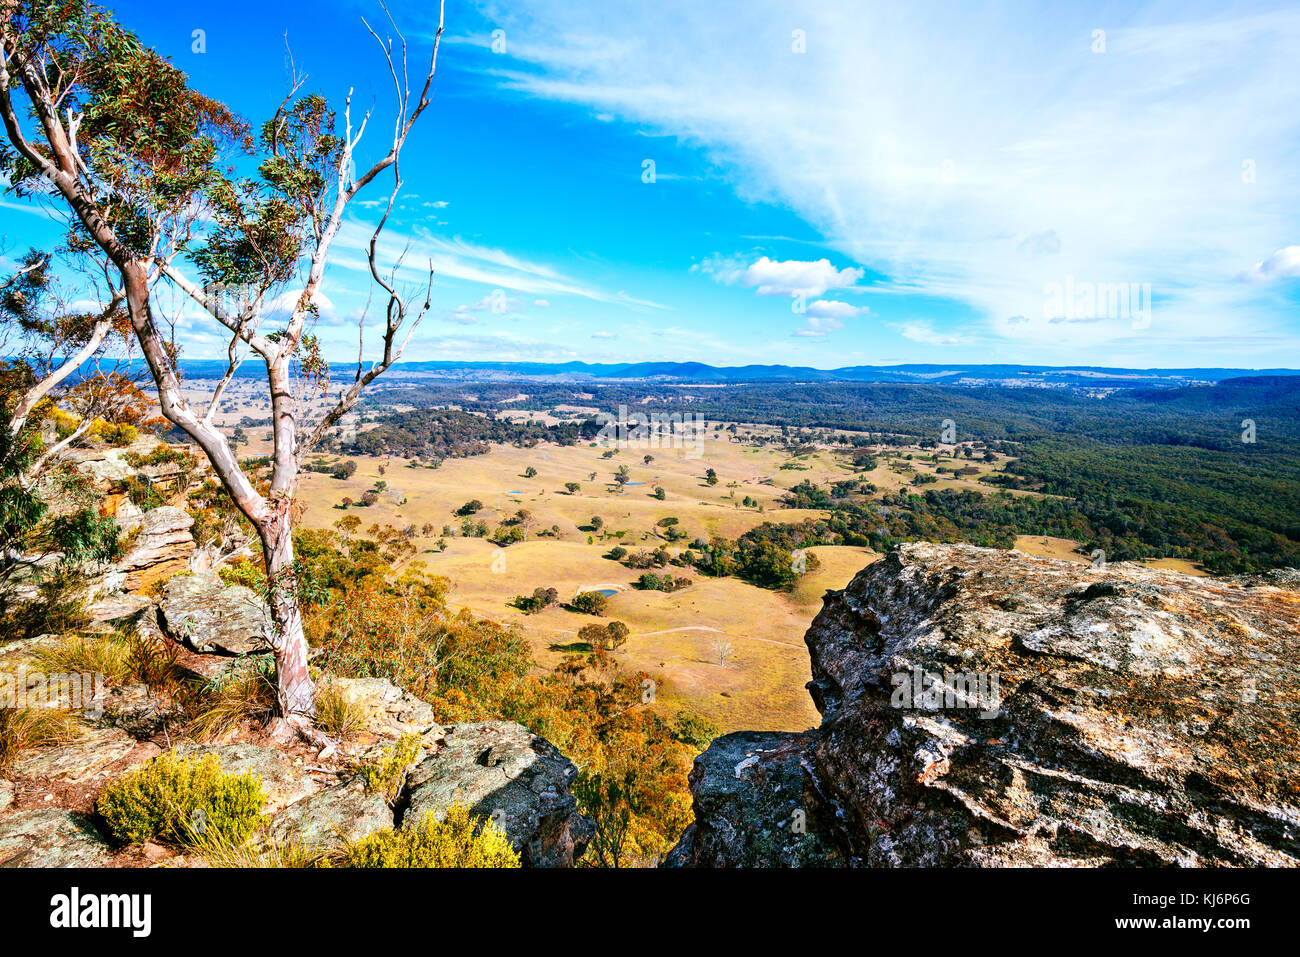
x,y
673,635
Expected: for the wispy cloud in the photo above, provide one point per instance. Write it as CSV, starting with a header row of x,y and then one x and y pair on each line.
x,y
458,258
971,153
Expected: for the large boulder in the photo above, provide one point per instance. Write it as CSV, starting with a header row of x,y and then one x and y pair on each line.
x,y
504,771
389,711
752,804
988,708
333,814
284,778
208,616
51,837
160,547
84,759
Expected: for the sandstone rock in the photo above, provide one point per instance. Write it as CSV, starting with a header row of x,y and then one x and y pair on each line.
x,y
118,605
1139,717
78,761
390,711
284,779
6,794
753,800
161,548
128,515
332,814
50,837
139,712
207,615
107,466
503,770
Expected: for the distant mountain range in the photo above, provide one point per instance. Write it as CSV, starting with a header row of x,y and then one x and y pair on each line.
x,y
1029,376
950,374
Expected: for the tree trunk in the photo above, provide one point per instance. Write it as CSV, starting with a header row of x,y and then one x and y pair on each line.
x,y
295,694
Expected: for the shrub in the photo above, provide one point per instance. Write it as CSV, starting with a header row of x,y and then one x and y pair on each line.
x,y
336,713
115,433
694,729
59,606
239,696
589,603
387,774
141,491
470,507
107,655
84,535
188,803
457,841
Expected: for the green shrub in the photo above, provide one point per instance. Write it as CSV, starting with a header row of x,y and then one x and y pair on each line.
x,y
458,841
177,801
59,605
694,729
589,603
387,775
86,536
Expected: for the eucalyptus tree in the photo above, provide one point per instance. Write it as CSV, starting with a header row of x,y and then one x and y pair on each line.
x,y
147,167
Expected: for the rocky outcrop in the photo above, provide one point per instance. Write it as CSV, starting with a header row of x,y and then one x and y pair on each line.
x,y
342,812
283,777
988,708
84,759
159,546
504,771
50,837
210,617
752,799
389,711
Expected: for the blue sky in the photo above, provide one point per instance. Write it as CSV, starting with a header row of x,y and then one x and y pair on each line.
x,y
834,183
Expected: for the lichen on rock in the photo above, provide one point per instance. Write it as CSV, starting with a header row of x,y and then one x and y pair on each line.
x,y
1064,716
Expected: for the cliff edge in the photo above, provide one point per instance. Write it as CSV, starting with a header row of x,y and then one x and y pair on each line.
x,y
989,708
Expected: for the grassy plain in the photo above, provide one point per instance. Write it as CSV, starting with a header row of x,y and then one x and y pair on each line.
x,y
675,637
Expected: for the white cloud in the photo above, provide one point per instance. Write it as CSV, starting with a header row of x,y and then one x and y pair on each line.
x,y
1010,157
832,309
774,277
495,303
458,258
542,303
818,327
602,335
1283,264
925,333
771,277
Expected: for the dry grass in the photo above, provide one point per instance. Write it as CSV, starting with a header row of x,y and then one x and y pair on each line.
x,y
222,708
336,713
25,728
268,854
107,655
